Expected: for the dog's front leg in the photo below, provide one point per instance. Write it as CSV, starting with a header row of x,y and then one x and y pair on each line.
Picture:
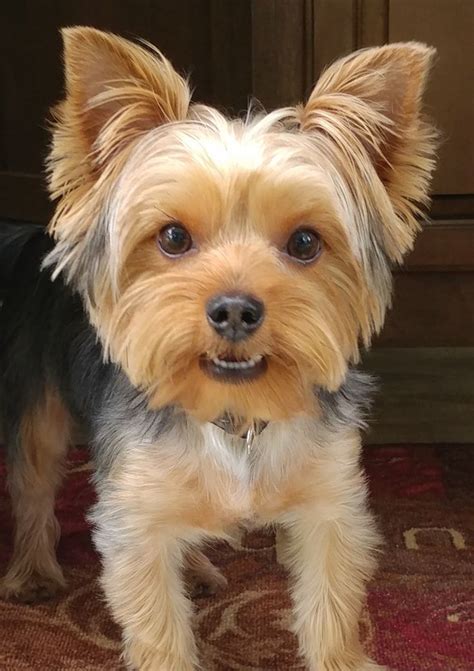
x,y
143,583
328,545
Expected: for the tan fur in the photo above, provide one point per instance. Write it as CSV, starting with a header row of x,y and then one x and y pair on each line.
x,y
329,535
34,477
329,552
130,154
146,594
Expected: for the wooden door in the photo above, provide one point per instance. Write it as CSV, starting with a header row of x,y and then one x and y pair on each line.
x,y
208,39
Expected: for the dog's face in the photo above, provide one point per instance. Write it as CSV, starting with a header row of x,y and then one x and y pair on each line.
x,y
236,286
234,266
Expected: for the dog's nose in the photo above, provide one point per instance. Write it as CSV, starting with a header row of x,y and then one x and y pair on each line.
x,y
235,316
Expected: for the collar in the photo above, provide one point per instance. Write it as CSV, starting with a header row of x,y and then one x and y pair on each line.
x,y
234,428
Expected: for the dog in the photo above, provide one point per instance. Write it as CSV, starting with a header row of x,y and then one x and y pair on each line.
x,y
199,303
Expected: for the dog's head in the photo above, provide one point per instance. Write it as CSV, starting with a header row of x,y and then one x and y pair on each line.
x,y
235,265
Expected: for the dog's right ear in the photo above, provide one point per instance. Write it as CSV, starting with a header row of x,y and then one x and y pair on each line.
x,y
369,106
115,90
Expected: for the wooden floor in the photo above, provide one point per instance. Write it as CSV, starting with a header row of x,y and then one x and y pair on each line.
x,y
426,395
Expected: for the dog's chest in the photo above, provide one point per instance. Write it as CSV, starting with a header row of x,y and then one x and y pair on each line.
x,y
252,482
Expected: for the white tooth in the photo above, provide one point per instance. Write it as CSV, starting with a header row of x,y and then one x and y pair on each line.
x,y
237,365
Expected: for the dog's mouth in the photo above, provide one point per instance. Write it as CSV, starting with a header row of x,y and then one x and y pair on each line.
x,y
232,369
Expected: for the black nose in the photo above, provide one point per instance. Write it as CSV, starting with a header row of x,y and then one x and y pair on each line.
x,y
235,316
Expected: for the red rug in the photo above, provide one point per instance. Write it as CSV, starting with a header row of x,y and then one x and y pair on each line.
x,y
420,611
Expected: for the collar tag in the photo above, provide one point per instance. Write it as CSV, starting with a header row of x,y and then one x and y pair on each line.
x,y
249,438
226,424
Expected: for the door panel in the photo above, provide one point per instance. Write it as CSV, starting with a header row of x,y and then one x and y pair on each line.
x,y
199,37
448,25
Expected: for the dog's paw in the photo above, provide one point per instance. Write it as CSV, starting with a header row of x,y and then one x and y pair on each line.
x,y
32,587
202,578
199,586
139,656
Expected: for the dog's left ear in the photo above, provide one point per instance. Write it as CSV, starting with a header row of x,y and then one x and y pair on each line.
x,y
368,106
115,90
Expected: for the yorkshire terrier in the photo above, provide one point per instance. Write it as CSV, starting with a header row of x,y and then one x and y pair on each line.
x,y
199,304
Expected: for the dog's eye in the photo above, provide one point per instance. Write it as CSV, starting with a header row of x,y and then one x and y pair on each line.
x,y
304,245
174,239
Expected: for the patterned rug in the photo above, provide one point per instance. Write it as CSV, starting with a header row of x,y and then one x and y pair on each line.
x,y
420,611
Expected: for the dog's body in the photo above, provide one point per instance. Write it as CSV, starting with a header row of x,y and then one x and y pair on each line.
x,y
154,339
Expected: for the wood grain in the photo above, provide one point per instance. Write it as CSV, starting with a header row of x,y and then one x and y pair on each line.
x,y
431,309
449,26
426,395
278,51
443,246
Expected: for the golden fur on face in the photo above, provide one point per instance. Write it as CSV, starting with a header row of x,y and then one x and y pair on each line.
x,y
240,224
131,154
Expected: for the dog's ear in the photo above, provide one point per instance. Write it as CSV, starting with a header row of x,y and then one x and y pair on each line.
x,y
115,90
368,105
